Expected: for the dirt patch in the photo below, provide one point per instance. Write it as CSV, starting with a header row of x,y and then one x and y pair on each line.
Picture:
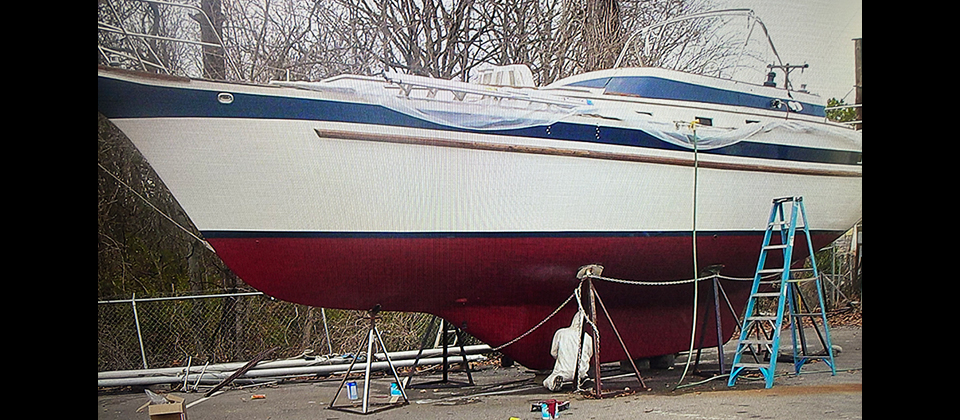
x,y
797,390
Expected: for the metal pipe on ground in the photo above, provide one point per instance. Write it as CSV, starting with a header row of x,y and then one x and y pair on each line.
x,y
216,377
275,364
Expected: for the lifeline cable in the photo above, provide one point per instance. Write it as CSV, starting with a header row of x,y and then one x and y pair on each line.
x,y
205,243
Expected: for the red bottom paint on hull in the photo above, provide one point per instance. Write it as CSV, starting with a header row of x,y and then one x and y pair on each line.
x,y
497,288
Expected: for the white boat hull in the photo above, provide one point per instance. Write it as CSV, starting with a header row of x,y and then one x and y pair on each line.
x,y
319,198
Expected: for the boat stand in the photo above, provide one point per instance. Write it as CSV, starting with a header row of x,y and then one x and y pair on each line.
x,y
716,292
589,303
373,334
445,329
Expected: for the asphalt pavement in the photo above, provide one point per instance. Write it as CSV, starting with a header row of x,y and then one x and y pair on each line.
x,y
506,392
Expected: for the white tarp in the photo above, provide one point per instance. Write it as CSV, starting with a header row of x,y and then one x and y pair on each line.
x,y
480,107
788,132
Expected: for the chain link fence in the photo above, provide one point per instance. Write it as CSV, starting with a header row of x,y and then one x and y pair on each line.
x,y
159,332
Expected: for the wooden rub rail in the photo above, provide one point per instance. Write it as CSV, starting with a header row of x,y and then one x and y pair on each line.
x,y
588,154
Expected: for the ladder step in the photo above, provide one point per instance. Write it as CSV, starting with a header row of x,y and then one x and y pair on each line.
x,y
762,318
765,294
755,341
775,247
752,365
784,227
780,270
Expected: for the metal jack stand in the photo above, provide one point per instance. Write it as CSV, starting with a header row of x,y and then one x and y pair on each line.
x,y
445,329
717,291
372,335
585,274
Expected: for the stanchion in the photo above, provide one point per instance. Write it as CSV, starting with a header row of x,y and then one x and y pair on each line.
x,y
716,292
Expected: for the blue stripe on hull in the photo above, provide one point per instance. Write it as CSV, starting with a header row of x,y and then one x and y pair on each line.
x,y
658,88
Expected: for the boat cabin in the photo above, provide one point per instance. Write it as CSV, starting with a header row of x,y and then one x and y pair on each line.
x,y
515,75
660,84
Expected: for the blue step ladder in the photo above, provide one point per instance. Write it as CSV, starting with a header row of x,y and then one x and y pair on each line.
x,y
760,331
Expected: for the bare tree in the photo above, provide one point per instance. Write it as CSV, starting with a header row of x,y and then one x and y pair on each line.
x,y
602,34
425,37
560,38
273,39
119,21
137,34
543,34
309,40
211,32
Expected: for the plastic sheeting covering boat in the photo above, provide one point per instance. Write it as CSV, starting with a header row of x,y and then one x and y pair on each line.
x,y
479,203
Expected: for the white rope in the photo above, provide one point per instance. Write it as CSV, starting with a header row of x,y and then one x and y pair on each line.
x,y
596,344
695,297
674,282
575,293
646,283
596,340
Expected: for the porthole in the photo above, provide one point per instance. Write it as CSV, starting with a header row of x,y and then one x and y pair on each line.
x,y
225,98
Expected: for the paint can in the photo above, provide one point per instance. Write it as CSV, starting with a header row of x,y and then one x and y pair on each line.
x,y
549,409
352,390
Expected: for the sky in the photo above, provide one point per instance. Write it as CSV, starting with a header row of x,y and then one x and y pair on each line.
x,y
816,32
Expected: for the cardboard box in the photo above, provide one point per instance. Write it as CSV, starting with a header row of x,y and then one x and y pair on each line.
x,y
175,409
